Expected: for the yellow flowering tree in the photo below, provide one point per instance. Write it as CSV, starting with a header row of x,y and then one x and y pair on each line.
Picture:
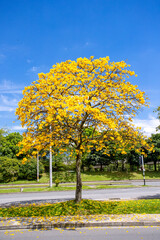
x,y
61,106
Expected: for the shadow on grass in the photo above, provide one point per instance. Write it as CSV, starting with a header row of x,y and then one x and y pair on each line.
x,y
42,201
152,174
112,175
117,176
155,196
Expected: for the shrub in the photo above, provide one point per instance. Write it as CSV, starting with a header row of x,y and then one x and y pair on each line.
x,y
28,170
9,169
91,168
62,177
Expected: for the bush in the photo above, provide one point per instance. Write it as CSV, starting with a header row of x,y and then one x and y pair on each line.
x,y
28,170
62,177
9,169
91,168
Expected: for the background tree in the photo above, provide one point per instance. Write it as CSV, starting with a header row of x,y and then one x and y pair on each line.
x,y
77,95
2,133
28,169
132,158
9,169
154,155
158,113
8,146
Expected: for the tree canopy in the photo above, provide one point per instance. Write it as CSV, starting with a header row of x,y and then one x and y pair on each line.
x,y
158,112
8,145
78,95
154,155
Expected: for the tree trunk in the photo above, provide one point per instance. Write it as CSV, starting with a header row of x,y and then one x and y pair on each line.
x,y
101,168
37,167
117,165
78,195
155,165
123,166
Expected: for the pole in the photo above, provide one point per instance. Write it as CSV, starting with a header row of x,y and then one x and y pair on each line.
x,y
38,167
50,164
143,171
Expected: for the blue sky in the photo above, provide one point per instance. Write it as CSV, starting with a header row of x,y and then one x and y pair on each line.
x,y
35,34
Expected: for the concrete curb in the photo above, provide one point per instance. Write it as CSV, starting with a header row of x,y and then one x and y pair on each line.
x,y
68,222
79,225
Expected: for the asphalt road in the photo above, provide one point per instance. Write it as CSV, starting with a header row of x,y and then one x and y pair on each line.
x,y
103,194
119,233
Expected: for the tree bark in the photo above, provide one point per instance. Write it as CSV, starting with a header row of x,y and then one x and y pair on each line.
x,y
123,166
155,165
37,167
78,195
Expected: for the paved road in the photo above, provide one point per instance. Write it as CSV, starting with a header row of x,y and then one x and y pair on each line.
x,y
103,194
148,182
131,233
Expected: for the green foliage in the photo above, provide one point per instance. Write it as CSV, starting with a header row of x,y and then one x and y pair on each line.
x,y
95,158
91,168
85,207
8,145
28,170
133,160
158,113
62,177
2,133
155,154
9,169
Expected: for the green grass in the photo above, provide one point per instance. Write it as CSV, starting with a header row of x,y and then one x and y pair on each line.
x,y
85,207
117,176
97,176
24,185
64,188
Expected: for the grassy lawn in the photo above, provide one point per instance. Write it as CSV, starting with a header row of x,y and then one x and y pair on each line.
x,y
85,207
117,176
95,176
62,188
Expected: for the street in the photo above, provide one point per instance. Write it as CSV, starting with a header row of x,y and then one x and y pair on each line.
x,y
112,233
103,194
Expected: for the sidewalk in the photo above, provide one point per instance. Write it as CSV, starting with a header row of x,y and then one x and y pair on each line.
x,y
80,221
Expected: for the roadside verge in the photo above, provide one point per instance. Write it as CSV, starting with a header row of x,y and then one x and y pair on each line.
x,y
80,221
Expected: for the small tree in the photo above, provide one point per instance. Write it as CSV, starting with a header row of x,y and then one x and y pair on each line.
x,y
9,169
78,95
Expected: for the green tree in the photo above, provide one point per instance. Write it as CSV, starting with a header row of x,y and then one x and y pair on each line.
x,y
9,169
158,113
154,155
8,146
28,170
133,159
96,158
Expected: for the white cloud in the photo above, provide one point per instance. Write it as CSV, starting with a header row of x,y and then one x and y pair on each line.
x,y
7,86
6,109
11,91
17,128
9,96
148,126
29,60
5,100
34,69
